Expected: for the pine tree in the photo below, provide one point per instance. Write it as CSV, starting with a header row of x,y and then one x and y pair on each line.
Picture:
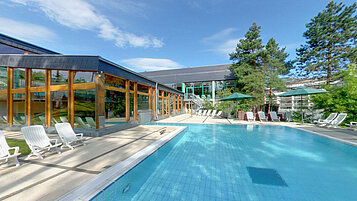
x,y
247,65
331,37
275,65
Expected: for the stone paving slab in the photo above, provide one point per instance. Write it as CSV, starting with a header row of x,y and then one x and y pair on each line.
x,y
58,174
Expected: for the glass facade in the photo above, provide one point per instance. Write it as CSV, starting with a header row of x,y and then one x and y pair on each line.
x,y
143,102
59,77
83,77
18,109
3,78
112,81
38,108
59,107
3,108
38,78
84,108
19,78
114,108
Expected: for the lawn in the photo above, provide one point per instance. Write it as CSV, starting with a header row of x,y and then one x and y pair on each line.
x,y
24,149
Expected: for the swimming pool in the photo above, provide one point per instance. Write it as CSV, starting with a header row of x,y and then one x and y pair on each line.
x,y
238,162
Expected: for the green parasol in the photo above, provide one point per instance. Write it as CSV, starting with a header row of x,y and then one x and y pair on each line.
x,y
302,91
235,97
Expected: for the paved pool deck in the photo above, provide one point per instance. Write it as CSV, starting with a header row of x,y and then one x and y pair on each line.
x,y
59,174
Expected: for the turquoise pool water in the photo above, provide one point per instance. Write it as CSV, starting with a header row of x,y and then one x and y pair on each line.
x,y
236,162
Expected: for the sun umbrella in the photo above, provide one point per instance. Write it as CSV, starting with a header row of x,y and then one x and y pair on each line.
x,y
235,97
302,91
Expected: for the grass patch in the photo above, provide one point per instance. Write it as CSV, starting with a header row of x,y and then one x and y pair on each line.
x,y
24,149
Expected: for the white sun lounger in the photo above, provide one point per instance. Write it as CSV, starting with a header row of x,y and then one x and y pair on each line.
x,y
204,113
68,136
214,112
219,113
208,113
274,116
90,121
250,116
199,113
331,117
64,119
262,116
5,154
81,123
352,125
38,141
337,121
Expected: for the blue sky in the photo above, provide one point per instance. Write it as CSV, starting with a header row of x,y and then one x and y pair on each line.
x,y
156,34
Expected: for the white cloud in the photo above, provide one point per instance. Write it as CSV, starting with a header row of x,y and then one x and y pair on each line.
x,y
25,31
222,43
79,14
151,64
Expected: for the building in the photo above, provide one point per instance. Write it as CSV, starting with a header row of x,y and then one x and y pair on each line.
x,y
40,86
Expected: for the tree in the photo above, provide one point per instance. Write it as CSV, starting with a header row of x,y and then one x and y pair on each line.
x,y
331,40
247,65
275,65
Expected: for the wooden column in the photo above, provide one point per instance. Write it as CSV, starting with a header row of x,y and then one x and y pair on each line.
x,y
174,104
127,101
27,97
150,96
99,99
163,103
169,95
10,72
135,101
154,105
70,108
182,105
178,103
48,98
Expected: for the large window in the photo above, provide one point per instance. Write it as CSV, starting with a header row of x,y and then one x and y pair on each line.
x,y
114,108
131,107
84,108
112,81
3,78
38,78
18,109
143,88
143,102
59,77
159,106
83,77
3,108
59,107
19,78
38,112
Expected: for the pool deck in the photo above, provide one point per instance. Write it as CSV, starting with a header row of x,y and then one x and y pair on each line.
x,y
59,174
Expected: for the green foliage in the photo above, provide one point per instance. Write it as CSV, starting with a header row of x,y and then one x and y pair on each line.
x,y
208,104
224,106
331,39
24,149
341,98
258,67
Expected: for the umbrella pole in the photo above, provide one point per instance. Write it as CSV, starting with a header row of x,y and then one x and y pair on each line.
x,y
302,115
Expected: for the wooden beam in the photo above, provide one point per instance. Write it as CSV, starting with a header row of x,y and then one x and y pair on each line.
x,y
84,86
150,95
174,104
27,97
154,105
127,101
70,106
99,99
10,72
37,89
163,103
59,87
114,89
169,103
48,97
135,101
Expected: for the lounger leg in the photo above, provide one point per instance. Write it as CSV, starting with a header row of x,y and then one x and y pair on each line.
x,y
16,162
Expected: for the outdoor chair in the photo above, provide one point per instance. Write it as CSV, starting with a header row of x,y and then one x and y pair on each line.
x,y
42,119
204,113
214,112
352,125
208,113
68,136
81,123
38,141
337,121
250,116
331,117
219,113
274,116
262,116
5,154
90,121
64,119
199,113
2,119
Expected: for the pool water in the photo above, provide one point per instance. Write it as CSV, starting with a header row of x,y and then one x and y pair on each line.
x,y
238,162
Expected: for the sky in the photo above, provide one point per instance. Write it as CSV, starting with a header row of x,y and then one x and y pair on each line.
x,y
147,35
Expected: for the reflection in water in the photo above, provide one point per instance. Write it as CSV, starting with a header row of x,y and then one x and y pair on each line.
x,y
250,128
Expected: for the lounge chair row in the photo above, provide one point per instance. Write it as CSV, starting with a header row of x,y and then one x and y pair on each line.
x,y
39,143
333,120
208,113
262,116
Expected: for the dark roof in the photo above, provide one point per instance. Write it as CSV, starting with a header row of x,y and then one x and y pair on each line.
x,y
13,42
78,62
192,74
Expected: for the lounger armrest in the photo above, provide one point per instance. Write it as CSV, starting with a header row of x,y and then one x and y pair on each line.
x,y
16,150
54,140
79,134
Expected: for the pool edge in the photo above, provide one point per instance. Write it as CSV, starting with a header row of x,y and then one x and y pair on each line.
x,y
95,185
